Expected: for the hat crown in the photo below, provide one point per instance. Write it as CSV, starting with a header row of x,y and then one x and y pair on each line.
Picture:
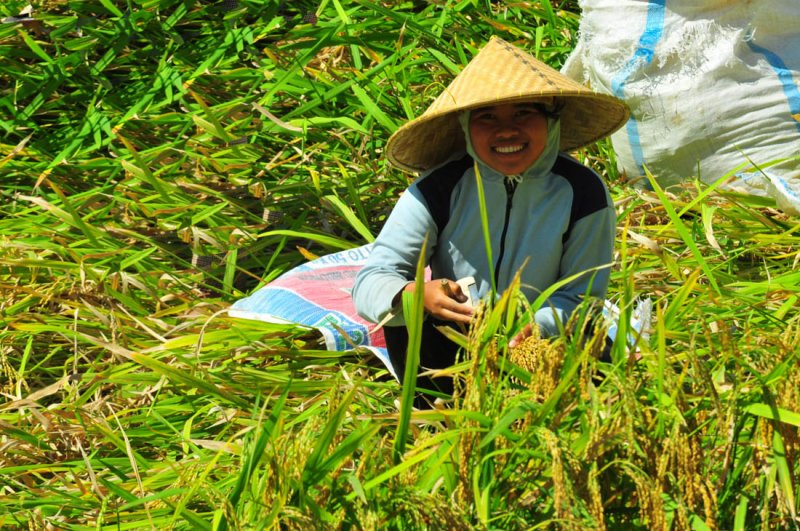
x,y
501,72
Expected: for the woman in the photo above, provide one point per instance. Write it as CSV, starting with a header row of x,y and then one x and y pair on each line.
x,y
504,119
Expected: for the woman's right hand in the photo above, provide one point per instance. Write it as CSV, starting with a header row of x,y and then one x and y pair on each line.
x,y
444,300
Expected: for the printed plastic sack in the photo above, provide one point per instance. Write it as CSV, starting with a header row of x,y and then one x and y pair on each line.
x,y
712,85
318,294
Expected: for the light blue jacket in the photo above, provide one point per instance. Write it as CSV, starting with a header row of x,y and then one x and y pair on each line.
x,y
561,223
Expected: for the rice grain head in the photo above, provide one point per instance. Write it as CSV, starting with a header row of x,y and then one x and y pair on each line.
x,y
596,499
8,374
543,359
562,468
650,502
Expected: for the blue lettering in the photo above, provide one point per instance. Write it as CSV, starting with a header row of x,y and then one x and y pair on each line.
x,y
358,254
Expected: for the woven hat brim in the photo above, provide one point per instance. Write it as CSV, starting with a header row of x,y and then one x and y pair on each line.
x,y
502,73
428,141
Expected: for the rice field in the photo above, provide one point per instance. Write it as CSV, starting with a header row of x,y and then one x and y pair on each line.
x,y
161,159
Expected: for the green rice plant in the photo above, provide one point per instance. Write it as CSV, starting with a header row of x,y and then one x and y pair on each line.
x,y
162,158
413,308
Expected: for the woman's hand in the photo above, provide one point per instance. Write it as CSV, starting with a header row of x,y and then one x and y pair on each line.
x,y
521,336
444,300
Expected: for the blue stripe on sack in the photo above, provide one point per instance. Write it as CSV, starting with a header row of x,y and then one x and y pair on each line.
x,y
785,76
290,306
654,28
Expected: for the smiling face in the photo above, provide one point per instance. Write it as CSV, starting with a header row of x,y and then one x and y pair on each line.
x,y
508,137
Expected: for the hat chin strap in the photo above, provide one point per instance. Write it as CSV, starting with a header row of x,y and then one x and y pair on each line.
x,y
540,166
515,178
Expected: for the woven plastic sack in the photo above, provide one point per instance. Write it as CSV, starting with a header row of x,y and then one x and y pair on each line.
x,y
712,86
318,295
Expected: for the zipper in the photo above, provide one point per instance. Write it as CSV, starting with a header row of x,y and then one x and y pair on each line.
x,y
511,185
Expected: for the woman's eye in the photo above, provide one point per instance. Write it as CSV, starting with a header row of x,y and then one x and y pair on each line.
x,y
526,113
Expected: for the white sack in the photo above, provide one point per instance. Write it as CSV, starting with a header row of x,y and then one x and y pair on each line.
x,y
711,84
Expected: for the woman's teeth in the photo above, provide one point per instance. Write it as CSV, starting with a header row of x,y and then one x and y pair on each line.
x,y
509,149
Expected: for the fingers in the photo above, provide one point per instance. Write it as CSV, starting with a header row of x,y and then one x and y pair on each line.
x,y
462,313
519,338
453,290
445,300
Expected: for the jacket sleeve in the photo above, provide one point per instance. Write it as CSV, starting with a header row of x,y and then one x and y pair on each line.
x,y
589,250
393,261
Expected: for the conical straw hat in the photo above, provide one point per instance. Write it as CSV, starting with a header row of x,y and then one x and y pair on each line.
x,y
502,73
